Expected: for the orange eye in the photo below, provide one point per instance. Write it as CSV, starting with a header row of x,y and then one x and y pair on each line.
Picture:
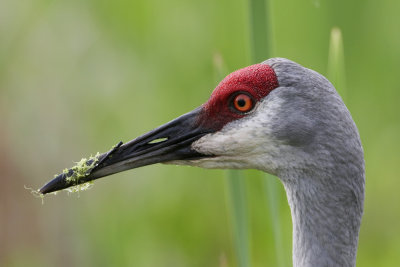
x,y
243,103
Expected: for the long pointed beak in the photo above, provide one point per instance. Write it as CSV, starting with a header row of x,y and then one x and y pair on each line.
x,y
169,142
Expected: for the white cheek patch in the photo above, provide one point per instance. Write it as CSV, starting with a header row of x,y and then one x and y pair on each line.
x,y
244,140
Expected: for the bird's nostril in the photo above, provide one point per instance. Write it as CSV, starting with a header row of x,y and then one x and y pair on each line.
x,y
158,140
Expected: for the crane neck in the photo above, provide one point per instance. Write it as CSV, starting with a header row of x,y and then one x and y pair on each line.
x,y
326,221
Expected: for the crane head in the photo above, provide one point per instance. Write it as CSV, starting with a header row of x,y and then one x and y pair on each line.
x,y
267,116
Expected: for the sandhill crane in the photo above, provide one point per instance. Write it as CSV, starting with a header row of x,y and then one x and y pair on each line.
x,y
278,117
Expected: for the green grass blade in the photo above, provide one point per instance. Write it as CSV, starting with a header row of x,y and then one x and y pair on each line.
x,y
261,49
260,30
239,215
336,66
271,188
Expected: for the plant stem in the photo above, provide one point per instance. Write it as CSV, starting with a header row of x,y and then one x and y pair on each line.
x,y
271,188
260,32
238,199
261,49
336,66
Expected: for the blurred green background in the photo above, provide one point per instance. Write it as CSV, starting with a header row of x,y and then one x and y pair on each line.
x,y
76,77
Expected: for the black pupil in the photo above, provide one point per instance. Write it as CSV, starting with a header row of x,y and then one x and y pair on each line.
x,y
241,102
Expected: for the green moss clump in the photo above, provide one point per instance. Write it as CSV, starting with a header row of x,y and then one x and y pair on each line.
x,y
79,171
79,187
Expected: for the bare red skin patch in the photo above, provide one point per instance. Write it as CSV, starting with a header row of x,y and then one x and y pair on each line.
x,y
256,80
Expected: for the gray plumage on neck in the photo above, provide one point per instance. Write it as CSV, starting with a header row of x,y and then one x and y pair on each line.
x,y
325,223
325,186
303,133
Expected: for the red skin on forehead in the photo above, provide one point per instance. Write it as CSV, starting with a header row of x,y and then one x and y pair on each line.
x,y
257,80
